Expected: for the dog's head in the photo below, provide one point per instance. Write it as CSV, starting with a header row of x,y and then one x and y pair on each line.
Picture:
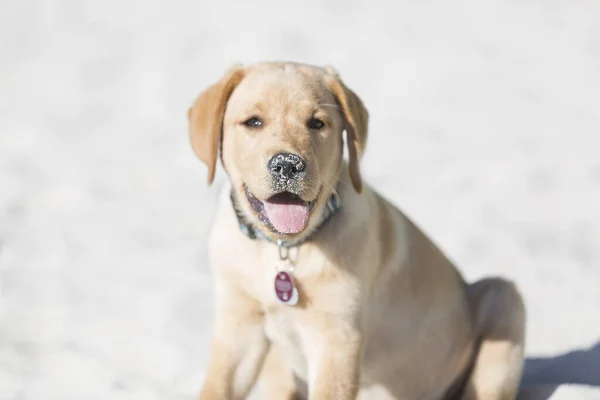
x,y
279,127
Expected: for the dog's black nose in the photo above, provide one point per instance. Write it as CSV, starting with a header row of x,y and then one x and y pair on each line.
x,y
286,165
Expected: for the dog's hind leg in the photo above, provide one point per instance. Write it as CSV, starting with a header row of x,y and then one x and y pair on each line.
x,y
499,315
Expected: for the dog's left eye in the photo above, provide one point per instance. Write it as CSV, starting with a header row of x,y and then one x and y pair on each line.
x,y
315,123
253,122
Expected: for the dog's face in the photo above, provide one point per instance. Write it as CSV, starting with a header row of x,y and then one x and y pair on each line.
x,y
279,127
282,146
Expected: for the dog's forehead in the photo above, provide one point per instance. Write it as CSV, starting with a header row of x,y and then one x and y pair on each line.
x,y
283,84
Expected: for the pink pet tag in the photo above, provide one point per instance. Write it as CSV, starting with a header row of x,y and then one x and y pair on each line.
x,y
285,289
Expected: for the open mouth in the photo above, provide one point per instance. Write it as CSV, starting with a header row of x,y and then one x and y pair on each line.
x,y
284,212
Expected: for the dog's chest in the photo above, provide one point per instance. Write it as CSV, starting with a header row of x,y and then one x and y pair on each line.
x,y
285,324
282,330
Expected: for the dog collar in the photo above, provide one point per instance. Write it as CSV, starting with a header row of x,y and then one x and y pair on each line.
x,y
331,208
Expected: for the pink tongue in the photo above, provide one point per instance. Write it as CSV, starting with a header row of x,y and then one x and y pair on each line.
x,y
287,218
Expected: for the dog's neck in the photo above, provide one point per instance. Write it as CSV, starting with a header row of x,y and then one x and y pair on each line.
x,y
331,208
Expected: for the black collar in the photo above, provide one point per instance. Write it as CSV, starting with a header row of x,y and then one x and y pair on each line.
x,y
331,208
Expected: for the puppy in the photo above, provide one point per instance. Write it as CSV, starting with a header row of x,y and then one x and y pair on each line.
x,y
322,285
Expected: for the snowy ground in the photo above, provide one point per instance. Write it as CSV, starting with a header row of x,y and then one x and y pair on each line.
x,y
485,130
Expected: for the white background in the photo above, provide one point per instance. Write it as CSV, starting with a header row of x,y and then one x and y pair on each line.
x,y
485,129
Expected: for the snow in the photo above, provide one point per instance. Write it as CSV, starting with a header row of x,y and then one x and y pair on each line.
x,y
485,129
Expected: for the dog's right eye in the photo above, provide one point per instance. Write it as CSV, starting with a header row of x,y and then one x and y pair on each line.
x,y
253,122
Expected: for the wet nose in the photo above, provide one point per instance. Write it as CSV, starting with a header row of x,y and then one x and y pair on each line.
x,y
286,166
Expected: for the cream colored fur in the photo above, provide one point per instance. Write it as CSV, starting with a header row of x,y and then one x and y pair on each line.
x,y
383,314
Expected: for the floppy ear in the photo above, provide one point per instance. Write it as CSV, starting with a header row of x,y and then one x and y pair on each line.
x,y
205,118
356,124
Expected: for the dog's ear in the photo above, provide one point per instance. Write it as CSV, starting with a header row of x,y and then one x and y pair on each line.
x,y
356,124
205,118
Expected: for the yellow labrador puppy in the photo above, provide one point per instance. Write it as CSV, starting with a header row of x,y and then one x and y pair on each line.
x,y
324,288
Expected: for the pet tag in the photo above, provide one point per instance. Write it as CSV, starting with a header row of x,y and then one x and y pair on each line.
x,y
285,289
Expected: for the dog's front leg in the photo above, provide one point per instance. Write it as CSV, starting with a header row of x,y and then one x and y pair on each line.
x,y
337,372
238,348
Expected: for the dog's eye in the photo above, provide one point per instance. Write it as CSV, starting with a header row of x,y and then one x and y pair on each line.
x,y
253,122
315,123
